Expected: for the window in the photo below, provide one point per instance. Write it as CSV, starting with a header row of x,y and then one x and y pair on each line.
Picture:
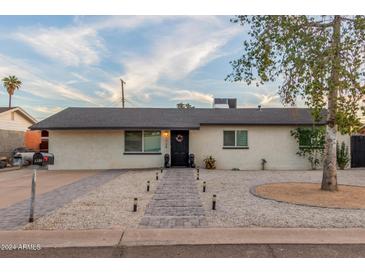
x,y
229,138
152,141
235,139
133,141
142,141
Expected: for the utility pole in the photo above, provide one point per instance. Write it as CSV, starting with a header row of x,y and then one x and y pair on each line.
x,y
122,84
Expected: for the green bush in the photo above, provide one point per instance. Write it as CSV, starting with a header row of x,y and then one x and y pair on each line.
x,y
343,158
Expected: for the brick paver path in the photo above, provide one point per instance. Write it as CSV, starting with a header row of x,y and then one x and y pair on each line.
x,y
16,215
176,202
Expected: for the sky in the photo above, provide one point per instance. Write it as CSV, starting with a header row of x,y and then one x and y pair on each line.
x,y
66,61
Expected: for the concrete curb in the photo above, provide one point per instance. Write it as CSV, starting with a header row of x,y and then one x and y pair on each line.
x,y
202,242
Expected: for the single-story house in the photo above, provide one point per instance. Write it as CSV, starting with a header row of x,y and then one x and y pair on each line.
x,y
115,138
14,124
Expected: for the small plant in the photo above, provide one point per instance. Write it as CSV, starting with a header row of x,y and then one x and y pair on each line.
x,y
209,162
311,144
263,163
235,169
343,158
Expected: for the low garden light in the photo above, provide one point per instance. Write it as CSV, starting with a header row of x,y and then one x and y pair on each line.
x,y
148,186
161,169
156,176
135,205
214,201
197,173
204,186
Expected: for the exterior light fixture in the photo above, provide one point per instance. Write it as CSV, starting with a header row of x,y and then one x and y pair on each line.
x,y
214,200
165,134
148,186
135,205
156,176
197,173
204,186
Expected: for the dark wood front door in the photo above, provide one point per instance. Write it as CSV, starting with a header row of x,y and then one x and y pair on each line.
x,y
179,147
358,151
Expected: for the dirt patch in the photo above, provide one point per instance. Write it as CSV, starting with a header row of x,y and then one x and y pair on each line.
x,y
347,197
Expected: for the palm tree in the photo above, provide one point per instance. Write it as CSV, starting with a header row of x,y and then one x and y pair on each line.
x,y
11,83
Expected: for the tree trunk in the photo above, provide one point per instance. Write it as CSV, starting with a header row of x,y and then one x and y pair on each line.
x,y
329,180
9,100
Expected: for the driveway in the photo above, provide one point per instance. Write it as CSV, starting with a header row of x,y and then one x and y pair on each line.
x,y
54,190
15,186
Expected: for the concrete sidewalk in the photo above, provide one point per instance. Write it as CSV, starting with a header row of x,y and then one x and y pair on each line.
x,y
201,242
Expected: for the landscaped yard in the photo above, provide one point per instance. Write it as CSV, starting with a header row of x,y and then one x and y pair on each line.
x,y
110,205
104,207
236,206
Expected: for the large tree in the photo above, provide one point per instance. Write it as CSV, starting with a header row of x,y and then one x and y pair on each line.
x,y
319,59
11,83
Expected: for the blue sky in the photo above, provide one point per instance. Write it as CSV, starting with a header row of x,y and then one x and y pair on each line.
x,y
78,61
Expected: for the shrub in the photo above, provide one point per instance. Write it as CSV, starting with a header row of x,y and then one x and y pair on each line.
x,y
209,162
343,158
311,144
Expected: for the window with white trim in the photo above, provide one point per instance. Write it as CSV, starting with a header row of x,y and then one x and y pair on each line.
x,y
147,141
235,138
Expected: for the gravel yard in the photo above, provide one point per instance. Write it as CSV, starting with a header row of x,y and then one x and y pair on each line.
x,y
107,206
236,206
111,204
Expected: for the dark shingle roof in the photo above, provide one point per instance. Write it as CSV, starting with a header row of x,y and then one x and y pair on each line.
x,y
172,118
3,109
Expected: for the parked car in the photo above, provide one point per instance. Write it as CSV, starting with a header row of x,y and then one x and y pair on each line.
x,y
3,163
22,156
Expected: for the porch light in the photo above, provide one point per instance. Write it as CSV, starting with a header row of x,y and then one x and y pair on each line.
x,y
135,205
165,134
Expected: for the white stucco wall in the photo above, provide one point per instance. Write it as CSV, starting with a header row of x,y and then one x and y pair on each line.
x,y
98,149
104,149
16,122
273,143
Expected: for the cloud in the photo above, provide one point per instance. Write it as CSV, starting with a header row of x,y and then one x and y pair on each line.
x,y
47,110
175,54
72,46
38,86
80,44
267,99
187,95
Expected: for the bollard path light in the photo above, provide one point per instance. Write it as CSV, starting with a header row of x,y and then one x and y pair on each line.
x,y
161,169
135,205
148,186
214,201
204,186
156,176
197,173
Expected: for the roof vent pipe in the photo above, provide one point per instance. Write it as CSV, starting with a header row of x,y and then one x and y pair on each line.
x,y
259,107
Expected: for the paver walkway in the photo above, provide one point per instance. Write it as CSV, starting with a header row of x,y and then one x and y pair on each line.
x,y
16,215
176,202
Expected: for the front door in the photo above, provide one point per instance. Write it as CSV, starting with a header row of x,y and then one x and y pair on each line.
x,y
357,151
179,147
